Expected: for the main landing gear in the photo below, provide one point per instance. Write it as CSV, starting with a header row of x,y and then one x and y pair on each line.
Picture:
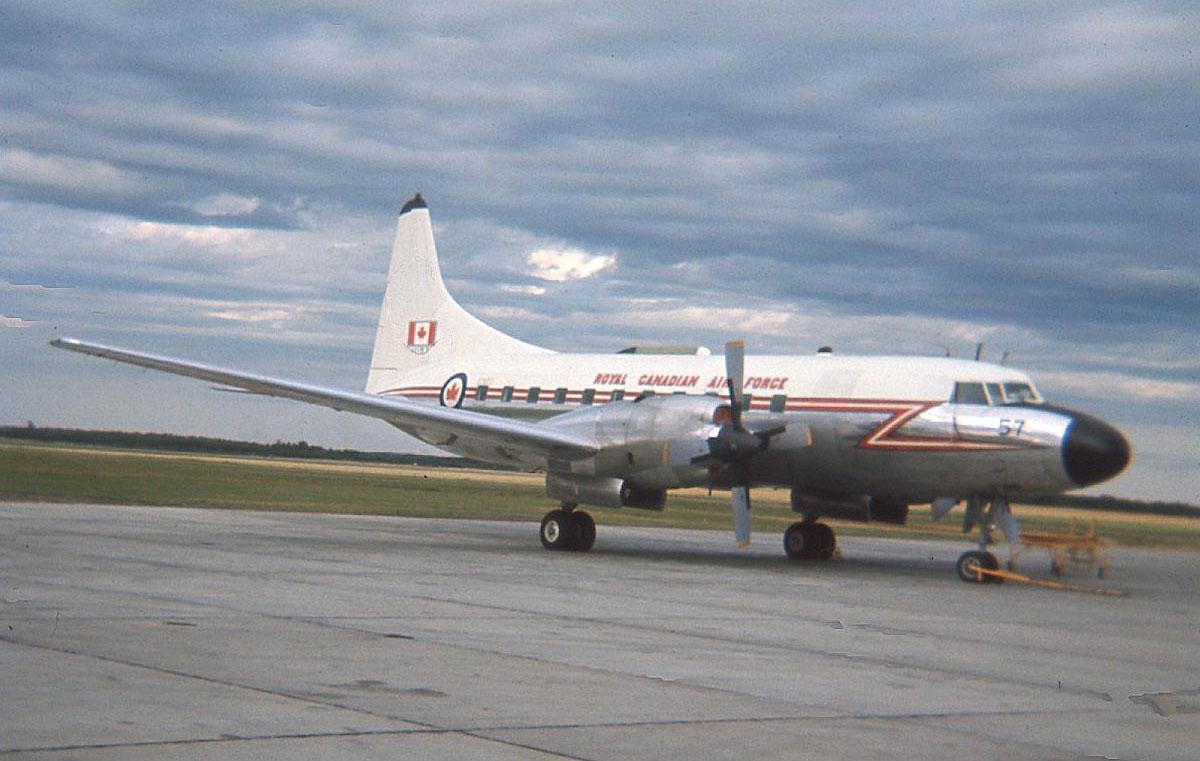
x,y
568,529
809,540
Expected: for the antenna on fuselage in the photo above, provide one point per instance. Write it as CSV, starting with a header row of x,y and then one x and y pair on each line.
x,y
979,351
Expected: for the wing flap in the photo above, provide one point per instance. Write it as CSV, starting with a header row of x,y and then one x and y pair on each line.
x,y
515,434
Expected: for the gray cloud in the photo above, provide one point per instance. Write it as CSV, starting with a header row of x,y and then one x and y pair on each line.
x,y
906,180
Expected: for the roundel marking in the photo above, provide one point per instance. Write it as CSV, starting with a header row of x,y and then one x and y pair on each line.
x,y
453,391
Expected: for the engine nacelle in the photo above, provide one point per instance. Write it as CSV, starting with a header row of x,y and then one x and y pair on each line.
x,y
603,492
651,443
657,443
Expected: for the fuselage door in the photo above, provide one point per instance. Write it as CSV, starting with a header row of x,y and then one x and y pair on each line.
x,y
976,419
968,401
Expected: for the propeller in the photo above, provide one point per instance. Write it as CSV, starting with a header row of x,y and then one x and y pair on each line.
x,y
735,446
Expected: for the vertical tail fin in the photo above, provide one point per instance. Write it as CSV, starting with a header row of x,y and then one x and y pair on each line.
x,y
420,323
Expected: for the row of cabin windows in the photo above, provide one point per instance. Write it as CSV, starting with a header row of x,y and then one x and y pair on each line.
x,y
778,402
964,393
534,395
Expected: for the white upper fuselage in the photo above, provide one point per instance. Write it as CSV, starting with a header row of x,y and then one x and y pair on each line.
x,y
562,381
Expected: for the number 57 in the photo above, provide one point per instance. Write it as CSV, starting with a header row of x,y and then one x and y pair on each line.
x,y
1011,427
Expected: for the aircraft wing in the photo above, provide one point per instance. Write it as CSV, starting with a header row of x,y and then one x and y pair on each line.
x,y
502,432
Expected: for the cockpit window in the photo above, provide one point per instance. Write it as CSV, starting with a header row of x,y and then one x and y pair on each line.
x,y
969,393
1020,393
995,394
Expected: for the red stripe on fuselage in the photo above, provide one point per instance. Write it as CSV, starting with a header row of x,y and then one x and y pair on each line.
x,y
885,436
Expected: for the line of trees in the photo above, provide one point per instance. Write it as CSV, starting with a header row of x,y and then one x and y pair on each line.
x,y
171,442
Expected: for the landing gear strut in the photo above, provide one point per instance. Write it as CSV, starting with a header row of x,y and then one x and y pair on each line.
x,y
809,540
998,514
568,529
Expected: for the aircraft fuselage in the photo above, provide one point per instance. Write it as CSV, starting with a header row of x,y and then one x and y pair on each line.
x,y
901,428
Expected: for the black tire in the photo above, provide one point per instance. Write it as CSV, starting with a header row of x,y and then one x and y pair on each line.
x,y
824,541
558,530
969,561
809,541
797,541
585,531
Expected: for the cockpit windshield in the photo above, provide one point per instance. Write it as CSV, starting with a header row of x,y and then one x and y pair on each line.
x,y
994,394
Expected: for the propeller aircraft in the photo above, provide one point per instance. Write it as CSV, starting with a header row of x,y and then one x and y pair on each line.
x,y
851,437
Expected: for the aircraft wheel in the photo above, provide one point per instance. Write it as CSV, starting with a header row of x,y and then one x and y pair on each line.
x,y
797,541
558,530
969,561
585,531
809,541
824,541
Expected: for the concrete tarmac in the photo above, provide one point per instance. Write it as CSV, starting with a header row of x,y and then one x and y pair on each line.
x,y
167,633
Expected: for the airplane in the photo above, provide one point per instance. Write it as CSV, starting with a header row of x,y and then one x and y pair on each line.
x,y
851,437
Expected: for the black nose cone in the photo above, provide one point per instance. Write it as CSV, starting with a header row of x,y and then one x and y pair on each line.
x,y
1093,451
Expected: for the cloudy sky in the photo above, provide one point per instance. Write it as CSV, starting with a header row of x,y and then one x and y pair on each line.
x,y
221,182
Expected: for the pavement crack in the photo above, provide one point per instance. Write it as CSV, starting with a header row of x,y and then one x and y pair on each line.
x,y
219,682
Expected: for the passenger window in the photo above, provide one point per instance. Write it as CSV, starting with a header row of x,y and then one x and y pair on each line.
x,y
560,395
779,403
589,396
534,393
506,394
969,393
995,393
481,393
617,395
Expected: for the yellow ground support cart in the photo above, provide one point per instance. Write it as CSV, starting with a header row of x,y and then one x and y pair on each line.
x,y
1079,547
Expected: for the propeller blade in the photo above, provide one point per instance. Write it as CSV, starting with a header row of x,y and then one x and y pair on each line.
x,y
734,445
741,515
735,363
766,436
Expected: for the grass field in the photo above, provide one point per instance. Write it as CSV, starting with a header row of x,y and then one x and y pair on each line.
x,y
66,473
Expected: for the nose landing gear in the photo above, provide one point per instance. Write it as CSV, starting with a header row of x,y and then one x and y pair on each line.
x,y
998,515
971,560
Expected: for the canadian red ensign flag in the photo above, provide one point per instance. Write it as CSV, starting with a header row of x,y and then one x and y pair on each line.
x,y
422,333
